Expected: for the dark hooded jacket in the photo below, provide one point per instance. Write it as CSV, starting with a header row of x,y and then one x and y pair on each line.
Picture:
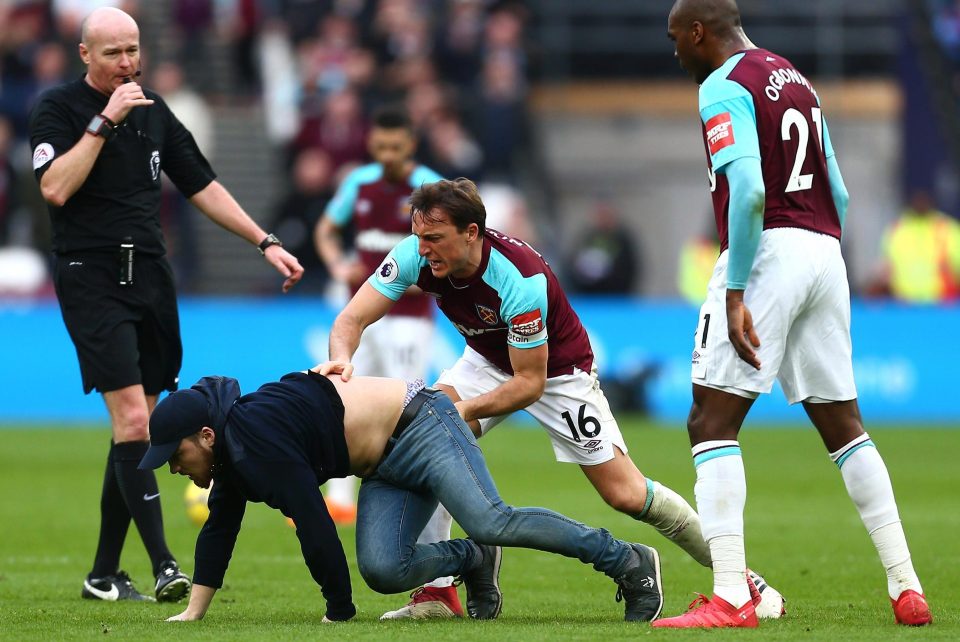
x,y
276,446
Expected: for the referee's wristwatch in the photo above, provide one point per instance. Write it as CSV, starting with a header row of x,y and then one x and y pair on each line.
x,y
102,126
269,240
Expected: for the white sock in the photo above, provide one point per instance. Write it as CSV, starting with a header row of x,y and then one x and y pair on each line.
x,y
437,530
721,492
342,490
868,484
676,520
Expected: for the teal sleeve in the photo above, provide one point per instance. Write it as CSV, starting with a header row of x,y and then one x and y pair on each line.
x,y
523,301
747,200
423,175
837,188
827,143
399,270
841,198
340,208
729,118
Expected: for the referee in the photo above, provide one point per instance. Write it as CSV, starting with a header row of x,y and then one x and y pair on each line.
x,y
99,146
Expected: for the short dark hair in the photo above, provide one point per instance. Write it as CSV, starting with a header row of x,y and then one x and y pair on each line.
x,y
392,117
459,199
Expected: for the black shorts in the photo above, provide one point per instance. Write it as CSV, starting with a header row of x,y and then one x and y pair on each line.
x,y
124,334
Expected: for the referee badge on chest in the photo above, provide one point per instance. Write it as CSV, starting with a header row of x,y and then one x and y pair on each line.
x,y
155,164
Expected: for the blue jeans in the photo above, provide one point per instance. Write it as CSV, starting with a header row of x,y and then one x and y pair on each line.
x,y
437,459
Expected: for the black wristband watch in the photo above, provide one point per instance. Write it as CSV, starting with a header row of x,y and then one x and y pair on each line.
x,y
269,240
100,125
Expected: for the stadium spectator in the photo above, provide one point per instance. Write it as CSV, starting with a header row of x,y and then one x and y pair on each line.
x,y
340,129
47,68
921,255
9,202
278,444
605,258
194,22
778,305
401,31
23,271
324,59
373,200
504,299
296,216
360,70
424,100
176,213
451,148
459,44
698,256
501,113
507,211
243,26
99,145
301,17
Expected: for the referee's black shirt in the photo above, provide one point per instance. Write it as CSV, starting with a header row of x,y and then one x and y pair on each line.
x,y
121,196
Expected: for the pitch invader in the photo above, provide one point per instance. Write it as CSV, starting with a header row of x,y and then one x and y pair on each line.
x,y
778,304
507,303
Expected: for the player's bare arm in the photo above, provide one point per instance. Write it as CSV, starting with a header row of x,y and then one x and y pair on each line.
x,y
220,207
367,306
200,598
526,386
740,328
328,240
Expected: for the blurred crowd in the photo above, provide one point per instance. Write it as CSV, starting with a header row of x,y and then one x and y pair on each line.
x,y
320,68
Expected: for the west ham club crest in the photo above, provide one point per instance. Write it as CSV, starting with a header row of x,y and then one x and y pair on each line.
x,y
487,315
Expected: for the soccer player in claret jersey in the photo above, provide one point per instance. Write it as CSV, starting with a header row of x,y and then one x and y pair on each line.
x,y
778,305
373,198
526,350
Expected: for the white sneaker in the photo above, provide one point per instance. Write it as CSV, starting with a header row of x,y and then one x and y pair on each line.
x,y
772,604
429,602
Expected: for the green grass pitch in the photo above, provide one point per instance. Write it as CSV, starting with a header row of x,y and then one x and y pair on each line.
x,y
802,534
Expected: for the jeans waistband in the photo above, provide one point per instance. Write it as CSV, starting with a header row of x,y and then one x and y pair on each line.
x,y
409,413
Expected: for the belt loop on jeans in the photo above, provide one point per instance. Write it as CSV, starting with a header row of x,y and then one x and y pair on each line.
x,y
409,413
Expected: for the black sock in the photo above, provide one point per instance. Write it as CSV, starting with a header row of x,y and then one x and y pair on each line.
x,y
114,522
139,488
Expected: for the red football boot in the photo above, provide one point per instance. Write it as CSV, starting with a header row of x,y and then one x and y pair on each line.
x,y
911,609
711,614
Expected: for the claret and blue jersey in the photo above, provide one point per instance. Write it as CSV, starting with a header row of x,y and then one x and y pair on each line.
x,y
513,299
380,211
756,105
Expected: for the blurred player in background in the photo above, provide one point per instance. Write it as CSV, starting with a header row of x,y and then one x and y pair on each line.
x,y
778,304
526,350
374,199
99,145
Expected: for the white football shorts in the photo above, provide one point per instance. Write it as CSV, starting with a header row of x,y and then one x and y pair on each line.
x,y
572,409
395,346
800,301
